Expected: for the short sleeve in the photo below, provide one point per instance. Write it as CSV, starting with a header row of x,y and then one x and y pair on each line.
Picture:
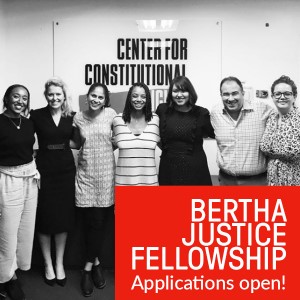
x,y
208,128
75,119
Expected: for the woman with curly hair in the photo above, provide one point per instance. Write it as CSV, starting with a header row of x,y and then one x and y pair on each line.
x,y
183,125
136,134
55,162
281,139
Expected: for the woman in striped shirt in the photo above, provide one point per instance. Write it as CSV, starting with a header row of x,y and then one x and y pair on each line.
x,y
136,134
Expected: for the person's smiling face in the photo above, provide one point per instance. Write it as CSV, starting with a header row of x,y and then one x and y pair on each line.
x,y
180,97
232,96
17,101
138,98
55,96
96,98
283,97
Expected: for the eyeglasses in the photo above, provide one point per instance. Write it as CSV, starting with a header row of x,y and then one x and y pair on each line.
x,y
278,95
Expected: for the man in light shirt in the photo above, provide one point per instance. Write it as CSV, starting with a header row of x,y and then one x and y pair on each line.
x,y
239,126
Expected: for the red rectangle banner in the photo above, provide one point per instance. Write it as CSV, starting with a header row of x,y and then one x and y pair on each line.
x,y
207,243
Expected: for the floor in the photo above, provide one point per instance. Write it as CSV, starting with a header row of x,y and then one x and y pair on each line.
x,y
36,289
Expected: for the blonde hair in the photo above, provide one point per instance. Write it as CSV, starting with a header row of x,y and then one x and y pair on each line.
x,y
66,108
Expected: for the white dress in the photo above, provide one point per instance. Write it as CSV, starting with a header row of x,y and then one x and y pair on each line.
x,y
136,161
96,162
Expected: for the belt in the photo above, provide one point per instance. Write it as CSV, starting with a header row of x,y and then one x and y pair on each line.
x,y
242,176
56,147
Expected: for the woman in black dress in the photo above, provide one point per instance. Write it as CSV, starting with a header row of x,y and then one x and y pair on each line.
x,y
183,125
55,162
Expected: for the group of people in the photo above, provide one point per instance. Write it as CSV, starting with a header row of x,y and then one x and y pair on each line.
x,y
256,145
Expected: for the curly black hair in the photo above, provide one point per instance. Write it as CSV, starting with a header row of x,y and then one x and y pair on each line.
x,y
147,110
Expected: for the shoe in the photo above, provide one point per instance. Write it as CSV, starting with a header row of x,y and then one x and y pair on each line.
x,y
14,290
50,282
98,277
61,282
3,293
87,286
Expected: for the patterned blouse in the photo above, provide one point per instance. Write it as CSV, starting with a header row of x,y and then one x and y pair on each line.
x,y
281,143
96,161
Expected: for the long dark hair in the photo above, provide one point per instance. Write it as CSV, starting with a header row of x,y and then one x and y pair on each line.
x,y
8,92
147,110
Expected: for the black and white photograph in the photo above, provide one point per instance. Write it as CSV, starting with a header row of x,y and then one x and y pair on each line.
x,y
97,95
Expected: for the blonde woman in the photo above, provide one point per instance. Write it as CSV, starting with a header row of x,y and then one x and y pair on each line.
x,y
55,162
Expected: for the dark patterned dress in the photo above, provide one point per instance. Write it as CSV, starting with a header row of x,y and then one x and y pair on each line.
x,y
56,200
282,146
183,160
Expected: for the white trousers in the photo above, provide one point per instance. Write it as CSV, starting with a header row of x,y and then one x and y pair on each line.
x,y
18,201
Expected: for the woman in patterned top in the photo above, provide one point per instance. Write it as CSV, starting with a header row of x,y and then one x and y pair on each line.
x,y
95,179
281,140
136,134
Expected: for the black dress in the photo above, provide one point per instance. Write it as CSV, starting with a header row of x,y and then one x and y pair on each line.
x,y
183,160
55,162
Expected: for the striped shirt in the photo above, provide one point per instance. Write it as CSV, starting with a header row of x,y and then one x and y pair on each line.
x,y
136,161
238,141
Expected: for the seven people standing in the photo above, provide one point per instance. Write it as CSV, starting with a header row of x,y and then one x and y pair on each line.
x,y
178,127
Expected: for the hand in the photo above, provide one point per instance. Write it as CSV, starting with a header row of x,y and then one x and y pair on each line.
x,y
113,140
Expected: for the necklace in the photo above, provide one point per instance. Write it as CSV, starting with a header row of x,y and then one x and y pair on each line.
x,y
17,126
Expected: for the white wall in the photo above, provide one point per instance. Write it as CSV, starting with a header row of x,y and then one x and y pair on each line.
x,y
2,50
255,53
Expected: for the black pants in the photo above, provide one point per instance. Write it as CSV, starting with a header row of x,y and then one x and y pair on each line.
x,y
96,221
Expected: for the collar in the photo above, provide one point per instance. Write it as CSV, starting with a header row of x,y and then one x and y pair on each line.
x,y
292,113
247,106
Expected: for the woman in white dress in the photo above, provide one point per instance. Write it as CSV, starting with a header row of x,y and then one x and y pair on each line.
x,y
136,134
